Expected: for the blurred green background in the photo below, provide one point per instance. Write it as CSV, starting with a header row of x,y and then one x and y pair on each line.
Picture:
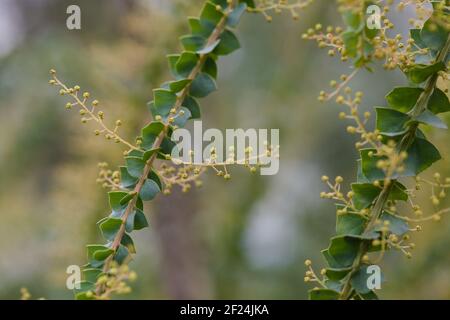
x,y
243,239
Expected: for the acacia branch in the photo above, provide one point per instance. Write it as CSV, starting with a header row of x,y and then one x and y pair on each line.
x,y
149,164
380,203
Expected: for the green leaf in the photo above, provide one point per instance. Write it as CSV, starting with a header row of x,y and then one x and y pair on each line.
x,y
337,274
235,16
200,28
438,102
109,227
421,58
163,101
209,47
129,224
181,119
135,166
359,280
210,67
101,255
369,166
429,118
342,251
166,147
350,224
121,254
202,85
397,225
323,294
136,221
415,35
140,221
126,180
186,63
368,296
398,192
149,190
150,133
360,177
92,274
177,86
173,59
433,35
364,194
192,105
128,243
222,3
370,34
97,254
250,3
403,98
127,198
391,122
228,43
351,40
136,153
210,14
353,20
149,153
154,176
114,201
333,285
421,73
421,155
192,43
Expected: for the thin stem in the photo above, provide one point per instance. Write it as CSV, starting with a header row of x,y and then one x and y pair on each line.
x,y
342,84
97,119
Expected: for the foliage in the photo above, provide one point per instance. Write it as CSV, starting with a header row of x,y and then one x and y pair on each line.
x,y
368,219
173,104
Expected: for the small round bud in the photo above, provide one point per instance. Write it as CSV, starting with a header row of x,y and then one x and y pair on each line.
x,y
132,276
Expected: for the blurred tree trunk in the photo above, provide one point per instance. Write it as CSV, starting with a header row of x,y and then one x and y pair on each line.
x,y
184,268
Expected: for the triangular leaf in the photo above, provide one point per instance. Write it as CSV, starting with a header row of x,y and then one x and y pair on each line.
x,y
228,43
391,122
429,118
202,85
403,98
149,190
438,102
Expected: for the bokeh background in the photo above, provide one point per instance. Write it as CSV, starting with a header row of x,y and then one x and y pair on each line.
x,y
243,239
